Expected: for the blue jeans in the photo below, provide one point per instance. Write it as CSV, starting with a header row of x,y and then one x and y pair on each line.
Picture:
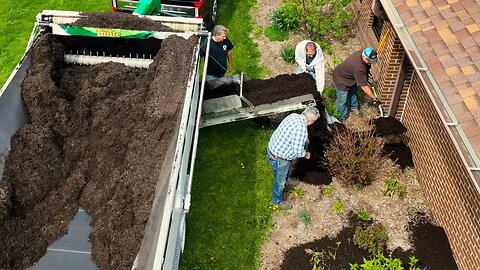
x,y
346,99
281,170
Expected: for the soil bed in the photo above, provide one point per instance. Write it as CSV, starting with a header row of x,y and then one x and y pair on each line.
x,y
97,139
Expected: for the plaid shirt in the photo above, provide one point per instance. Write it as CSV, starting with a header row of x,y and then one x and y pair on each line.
x,y
288,140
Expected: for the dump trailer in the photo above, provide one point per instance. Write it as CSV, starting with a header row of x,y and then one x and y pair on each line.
x,y
90,46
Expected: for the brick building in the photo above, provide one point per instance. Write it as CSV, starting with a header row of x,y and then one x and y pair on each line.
x,y
428,76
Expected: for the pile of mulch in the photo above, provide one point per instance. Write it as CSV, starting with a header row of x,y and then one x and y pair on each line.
x,y
400,154
97,139
267,91
430,244
388,126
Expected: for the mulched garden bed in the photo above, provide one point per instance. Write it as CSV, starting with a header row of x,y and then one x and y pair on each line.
x,y
430,246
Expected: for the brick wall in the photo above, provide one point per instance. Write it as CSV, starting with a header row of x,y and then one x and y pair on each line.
x,y
447,186
452,196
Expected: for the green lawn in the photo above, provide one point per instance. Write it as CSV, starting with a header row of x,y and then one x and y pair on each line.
x,y
231,191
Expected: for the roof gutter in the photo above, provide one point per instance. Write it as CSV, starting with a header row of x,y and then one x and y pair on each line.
x,y
423,71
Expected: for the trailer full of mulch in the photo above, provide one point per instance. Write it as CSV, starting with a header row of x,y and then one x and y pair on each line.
x,y
97,139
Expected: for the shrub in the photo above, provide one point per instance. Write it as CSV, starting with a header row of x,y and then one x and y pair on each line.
x,y
373,238
363,215
394,187
380,262
320,18
330,92
274,34
285,18
288,54
305,217
328,190
337,207
332,110
353,158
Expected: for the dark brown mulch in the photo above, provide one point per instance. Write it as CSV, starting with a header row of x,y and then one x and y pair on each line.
x,y
400,154
388,126
97,139
267,91
120,20
430,246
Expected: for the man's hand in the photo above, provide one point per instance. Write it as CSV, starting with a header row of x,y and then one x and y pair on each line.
x,y
230,68
307,155
376,102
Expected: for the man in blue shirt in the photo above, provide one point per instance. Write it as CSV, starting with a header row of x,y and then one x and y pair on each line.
x,y
221,57
287,144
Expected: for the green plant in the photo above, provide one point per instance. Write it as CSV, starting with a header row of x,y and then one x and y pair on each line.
x,y
296,192
373,238
328,190
305,217
275,34
285,17
394,187
320,258
332,110
321,18
330,92
380,262
337,207
354,157
333,63
363,215
288,54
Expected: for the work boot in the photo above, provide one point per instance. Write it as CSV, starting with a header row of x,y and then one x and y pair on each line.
x,y
285,205
357,112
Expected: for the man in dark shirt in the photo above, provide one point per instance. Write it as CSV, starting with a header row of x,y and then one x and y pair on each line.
x,y
220,52
350,74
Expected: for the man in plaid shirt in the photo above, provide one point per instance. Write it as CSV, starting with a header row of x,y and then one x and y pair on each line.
x,y
287,144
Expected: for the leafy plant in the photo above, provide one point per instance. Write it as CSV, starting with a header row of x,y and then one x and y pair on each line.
x,y
394,187
285,17
354,157
320,258
333,63
305,217
297,192
330,92
275,34
338,207
332,110
328,190
363,215
321,18
373,238
380,262
288,54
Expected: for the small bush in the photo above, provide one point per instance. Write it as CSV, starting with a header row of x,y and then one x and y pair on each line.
x,y
353,158
337,207
394,187
274,34
373,238
288,54
380,262
285,18
328,190
305,217
330,92
332,110
363,215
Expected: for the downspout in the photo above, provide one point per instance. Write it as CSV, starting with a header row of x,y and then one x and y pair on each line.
x,y
413,53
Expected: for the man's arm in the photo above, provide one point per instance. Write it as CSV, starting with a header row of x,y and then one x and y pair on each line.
x,y
368,91
300,56
230,60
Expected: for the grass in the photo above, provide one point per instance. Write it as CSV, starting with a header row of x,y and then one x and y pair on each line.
x,y
235,15
16,23
275,34
231,193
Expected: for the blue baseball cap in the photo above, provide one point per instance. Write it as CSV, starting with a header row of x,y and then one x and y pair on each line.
x,y
371,55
